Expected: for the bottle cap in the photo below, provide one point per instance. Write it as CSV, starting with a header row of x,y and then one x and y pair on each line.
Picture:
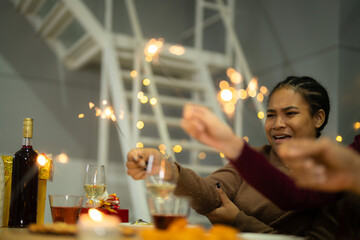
x,y
28,127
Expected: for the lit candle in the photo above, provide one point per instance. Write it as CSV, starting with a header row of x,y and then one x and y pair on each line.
x,y
96,225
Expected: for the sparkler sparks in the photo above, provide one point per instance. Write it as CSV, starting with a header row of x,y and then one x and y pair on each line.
x,y
357,125
153,48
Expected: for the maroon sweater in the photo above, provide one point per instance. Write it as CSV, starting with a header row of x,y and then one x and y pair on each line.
x,y
277,186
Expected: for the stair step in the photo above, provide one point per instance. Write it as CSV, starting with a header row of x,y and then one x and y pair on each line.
x,y
28,6
188,145
186,84
170,121
172,101
81,52
56,21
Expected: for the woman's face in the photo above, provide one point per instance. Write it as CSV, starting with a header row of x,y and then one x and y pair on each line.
x,y
288,116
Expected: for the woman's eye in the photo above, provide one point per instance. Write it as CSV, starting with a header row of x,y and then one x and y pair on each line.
x,y
291,113
269,115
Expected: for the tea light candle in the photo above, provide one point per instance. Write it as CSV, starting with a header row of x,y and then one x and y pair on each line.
x,y
95,225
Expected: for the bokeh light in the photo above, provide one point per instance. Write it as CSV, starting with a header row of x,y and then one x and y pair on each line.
x,y
202,155
140,124
261,115
153,101
139,145
226,95
177,148
223,84
146,82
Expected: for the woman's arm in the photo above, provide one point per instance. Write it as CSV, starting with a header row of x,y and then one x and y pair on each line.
x,y
202,190
275,185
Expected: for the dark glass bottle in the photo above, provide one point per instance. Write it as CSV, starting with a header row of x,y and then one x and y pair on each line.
x,y
24,185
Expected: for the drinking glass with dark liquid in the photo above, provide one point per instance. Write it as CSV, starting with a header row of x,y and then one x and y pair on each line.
x,y
164,211
65,208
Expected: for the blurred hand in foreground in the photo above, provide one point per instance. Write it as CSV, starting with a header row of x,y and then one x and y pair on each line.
x,y
322,165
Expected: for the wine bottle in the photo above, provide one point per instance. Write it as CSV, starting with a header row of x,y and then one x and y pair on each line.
x,y
24,185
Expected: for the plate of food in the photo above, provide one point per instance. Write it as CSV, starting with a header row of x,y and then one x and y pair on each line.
x,y
54,228
266,236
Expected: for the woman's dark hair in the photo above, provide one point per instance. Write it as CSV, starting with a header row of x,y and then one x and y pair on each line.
x,y
312,91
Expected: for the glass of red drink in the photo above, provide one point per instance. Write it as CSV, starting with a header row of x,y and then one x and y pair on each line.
x,y
164,211
65,208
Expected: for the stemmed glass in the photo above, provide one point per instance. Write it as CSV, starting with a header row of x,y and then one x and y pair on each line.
x,y
94,182
160,177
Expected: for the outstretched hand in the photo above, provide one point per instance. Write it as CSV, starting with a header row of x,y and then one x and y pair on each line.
x,y
322,165
203,125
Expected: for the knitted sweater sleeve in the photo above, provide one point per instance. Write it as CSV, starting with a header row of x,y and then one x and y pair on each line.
x,y
202,190
356,144
246,223
277,186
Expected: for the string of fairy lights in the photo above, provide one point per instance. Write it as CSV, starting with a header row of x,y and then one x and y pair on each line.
x,y
228,95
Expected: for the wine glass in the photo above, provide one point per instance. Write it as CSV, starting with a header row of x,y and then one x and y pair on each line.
x,y
94,182
160,177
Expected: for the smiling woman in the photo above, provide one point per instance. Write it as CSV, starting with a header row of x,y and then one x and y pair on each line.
x,y
298,108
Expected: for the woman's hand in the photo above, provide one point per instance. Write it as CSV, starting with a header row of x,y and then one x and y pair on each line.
x,y
226,213
203,125
137,161
322,165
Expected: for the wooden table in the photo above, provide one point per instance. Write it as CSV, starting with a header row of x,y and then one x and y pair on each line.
x,y
25,234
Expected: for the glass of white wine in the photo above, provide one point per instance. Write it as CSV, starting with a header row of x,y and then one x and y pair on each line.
x,y
94,182
160,177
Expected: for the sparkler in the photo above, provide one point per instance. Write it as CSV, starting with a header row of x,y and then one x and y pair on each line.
x,y
108,113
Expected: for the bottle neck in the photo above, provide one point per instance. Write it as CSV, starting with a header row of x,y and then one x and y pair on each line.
x,y
27,142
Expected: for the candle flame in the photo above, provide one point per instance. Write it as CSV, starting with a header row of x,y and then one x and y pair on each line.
x,y
104,102
95,215
81,115
339,138
246,138
222,155
41,160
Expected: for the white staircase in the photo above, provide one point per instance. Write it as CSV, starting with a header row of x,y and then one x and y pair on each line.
x,y
175,80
